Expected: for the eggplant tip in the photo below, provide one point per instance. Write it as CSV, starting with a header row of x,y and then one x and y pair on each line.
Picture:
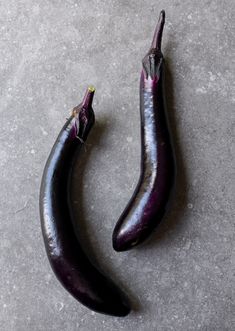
x,y
124,311
120,305
116,247
120,244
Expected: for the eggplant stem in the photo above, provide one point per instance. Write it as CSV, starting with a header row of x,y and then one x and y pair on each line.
x,y
157,38
88,98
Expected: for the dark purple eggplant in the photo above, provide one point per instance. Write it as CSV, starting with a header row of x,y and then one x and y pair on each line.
x,y
149,202
67,258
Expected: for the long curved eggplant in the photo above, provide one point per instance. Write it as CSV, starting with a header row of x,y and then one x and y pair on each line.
x,y
149,202
67,258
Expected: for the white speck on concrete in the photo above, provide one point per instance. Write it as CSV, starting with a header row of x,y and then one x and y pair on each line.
x,y
59,306
44,132
201,90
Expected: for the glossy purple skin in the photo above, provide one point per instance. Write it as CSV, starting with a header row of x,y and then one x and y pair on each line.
x,y
149,202
67,258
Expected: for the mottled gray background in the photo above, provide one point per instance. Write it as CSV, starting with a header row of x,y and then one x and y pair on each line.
x,y
50,50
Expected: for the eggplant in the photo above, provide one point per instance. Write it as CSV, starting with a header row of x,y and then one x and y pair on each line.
x,y
149,202
66,255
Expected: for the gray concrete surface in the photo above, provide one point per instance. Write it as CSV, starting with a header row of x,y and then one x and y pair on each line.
x,y
50,50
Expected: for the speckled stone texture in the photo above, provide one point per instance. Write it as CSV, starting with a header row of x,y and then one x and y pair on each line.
x,y
50,50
